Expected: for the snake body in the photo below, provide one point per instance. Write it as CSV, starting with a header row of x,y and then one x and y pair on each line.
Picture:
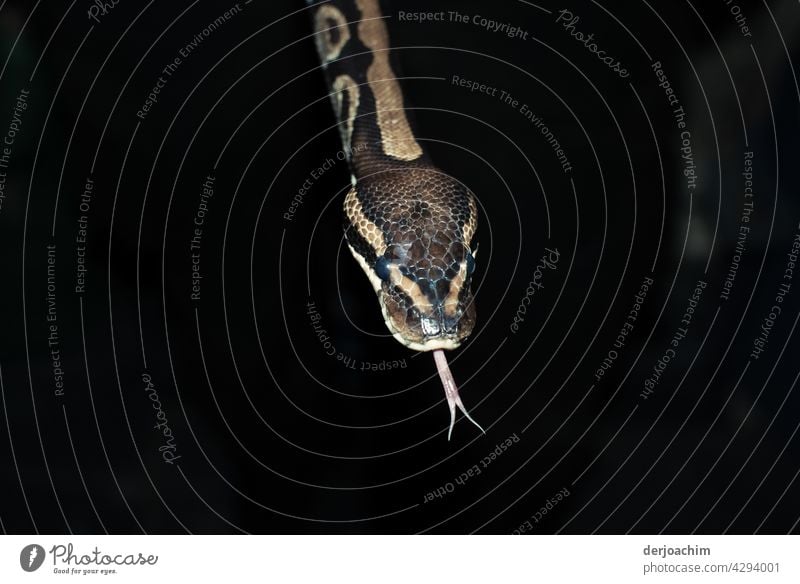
x,y
407,224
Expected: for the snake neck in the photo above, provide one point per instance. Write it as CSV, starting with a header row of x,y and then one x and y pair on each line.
x,y
376,130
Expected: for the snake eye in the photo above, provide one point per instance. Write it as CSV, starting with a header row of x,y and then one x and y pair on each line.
x,y
382,268
470,263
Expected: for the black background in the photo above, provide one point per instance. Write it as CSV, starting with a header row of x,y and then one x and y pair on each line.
x,y
274,434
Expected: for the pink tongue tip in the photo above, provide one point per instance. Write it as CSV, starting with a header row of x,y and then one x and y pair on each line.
x,y
451,391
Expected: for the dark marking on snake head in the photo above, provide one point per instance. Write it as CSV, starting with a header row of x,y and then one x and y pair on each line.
x,y
334,34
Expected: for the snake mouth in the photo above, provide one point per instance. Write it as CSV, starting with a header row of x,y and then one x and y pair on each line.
x,y
433,344
429,342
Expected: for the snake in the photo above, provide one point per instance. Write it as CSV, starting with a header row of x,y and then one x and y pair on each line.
x,y
408,224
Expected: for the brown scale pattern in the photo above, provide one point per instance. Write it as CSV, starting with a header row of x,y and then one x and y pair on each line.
x,y
425,220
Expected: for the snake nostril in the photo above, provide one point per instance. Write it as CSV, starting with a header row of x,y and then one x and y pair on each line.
x,y
430,326
439,324
449,326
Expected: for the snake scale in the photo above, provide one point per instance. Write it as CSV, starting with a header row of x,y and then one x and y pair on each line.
x,y
407,224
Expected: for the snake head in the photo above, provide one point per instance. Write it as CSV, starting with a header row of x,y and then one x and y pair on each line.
x,y
410,232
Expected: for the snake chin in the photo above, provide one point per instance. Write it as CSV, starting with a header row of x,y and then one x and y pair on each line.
x,y
431,344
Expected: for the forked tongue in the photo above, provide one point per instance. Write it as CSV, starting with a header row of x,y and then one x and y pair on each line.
x,y
451,391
